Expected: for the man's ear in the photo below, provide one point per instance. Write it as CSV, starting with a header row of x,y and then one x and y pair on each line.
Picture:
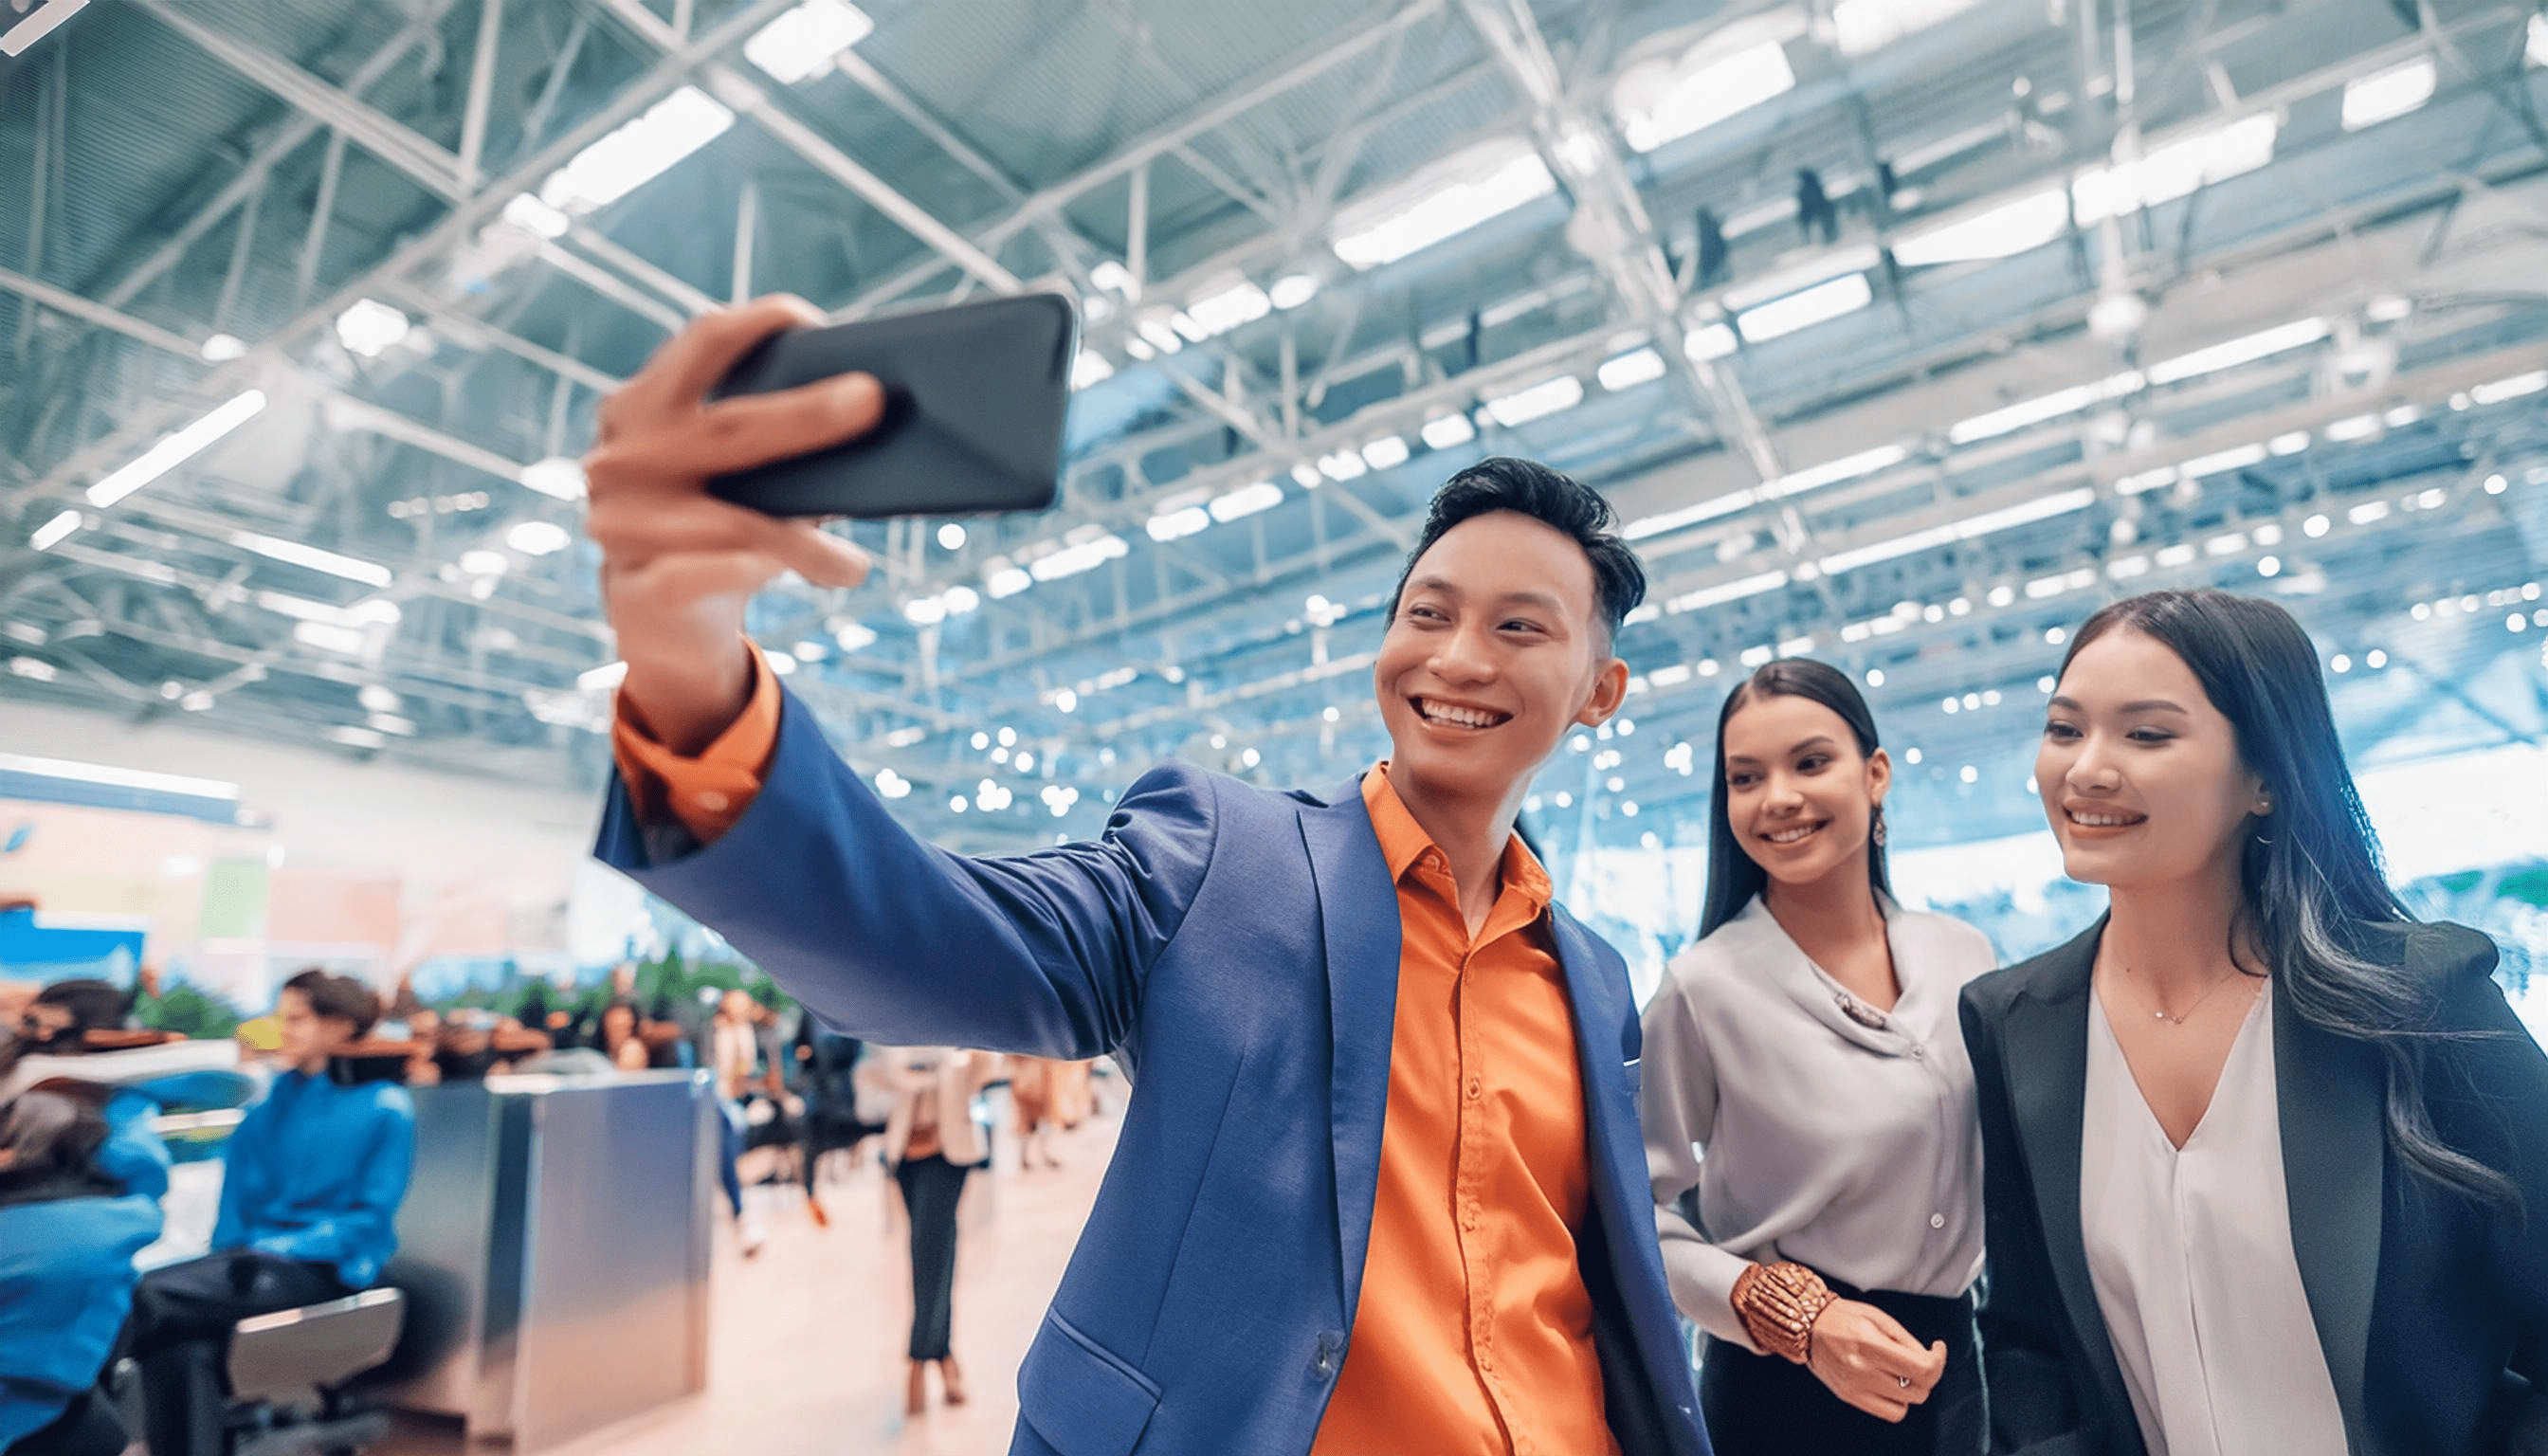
x,y
1609,689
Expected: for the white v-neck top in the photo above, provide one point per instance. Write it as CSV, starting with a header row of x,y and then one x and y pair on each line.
x,y
2190,1252
1807,1133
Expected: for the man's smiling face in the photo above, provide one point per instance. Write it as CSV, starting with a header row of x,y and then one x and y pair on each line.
x,y
1497,650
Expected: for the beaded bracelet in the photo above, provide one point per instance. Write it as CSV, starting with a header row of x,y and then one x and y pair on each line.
x,y
1778,1303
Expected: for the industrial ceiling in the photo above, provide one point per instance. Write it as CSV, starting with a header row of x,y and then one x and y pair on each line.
x,y
1902,333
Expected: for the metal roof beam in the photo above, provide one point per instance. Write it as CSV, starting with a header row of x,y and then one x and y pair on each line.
x,y
390,140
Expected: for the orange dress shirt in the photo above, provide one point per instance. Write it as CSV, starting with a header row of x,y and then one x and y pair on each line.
x,y
1475,1334
1475,1331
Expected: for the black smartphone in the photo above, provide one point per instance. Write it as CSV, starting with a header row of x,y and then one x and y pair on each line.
x,y
975,398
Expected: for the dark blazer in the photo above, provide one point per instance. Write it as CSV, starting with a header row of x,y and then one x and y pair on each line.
x,y
1238,951
2431,1309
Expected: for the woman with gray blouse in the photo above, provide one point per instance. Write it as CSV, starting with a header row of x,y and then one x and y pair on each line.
x,y
1808,1106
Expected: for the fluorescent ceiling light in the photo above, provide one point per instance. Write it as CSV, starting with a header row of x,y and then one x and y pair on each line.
x,y
1832,473
1444,431
2054,405
801,43
2387,95
1386,452
1006,580
1091,367
222,348
1224,309
1816,268
1709,341
1342,465
2510,389
1796,483
557,477
960,600
537,217
1988,523
369,328
1294,289
1819,304
1658,102
637,153
114,778
52,532
538,537
1631,369
177,449
2166,173
1246,501
352,737
2237,352
1080,556
38,26
1864,27
34,668
2002,232
329,637
2536,52
1173,525
602,679
376,611
1537,401
2239,458
1472,186
1158,325
1736,591
297,554
857,637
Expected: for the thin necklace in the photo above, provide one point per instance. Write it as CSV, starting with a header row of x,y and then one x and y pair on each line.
x,y
2179,1018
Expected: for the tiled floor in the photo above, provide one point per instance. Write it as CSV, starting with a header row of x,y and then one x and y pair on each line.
x,y
806,1340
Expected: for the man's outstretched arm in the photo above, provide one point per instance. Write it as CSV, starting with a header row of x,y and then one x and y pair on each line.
x,y
801,868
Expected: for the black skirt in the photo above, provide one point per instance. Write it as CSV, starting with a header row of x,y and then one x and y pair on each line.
x,y
1768,1405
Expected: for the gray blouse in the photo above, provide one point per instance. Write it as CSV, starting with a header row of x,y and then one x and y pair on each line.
x,y
1808,1133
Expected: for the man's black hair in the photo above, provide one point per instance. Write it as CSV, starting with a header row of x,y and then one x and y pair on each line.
x,y
339,996
94,1005
1553,498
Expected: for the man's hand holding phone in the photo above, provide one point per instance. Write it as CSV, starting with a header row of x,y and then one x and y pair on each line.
x,y
678,566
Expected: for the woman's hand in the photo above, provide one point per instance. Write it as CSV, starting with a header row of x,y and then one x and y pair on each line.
x,y
1867,1359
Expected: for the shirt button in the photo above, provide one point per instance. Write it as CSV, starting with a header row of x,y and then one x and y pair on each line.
x,y
1919,1051
710,801
1475,1088
1937,1220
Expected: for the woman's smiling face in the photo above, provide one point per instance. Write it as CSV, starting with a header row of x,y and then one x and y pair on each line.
x,y
1798,794
2140,774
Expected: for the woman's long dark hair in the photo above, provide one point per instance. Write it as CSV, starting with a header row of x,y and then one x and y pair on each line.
x,y
2310,871
1733,875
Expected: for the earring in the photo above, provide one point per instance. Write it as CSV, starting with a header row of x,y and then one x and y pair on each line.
x,y
1877,832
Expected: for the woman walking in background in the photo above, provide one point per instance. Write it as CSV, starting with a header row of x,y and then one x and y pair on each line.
x,y
930,1143
1805,1084
2254,1102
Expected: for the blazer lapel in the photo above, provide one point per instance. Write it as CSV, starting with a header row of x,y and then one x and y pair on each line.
x,y
2329,1093
2045,1045
1359,913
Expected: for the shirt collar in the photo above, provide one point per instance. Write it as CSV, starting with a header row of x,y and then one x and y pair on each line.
x,y
1403,842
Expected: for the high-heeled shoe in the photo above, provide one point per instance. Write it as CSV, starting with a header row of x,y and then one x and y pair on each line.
x,y
952,1380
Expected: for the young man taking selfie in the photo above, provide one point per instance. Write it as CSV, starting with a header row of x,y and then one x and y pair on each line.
x,y
1380,1188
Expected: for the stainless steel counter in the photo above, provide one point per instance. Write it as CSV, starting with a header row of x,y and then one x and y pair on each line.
x,y
554,1247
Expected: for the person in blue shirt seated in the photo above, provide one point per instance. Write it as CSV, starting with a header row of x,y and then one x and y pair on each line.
x,y
309,1197
68,1231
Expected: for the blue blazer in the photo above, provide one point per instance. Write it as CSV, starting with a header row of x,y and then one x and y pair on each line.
x,y
1237,952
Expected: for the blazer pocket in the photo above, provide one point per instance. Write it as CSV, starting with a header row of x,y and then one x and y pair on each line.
x,y
1080,1396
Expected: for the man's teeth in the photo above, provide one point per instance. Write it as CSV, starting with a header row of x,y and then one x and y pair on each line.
x,y
1790,835
2101,821
1443,712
